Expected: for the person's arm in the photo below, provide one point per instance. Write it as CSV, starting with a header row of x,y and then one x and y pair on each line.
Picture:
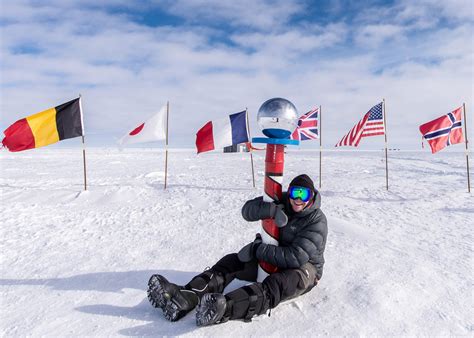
x,y
306,244
257,209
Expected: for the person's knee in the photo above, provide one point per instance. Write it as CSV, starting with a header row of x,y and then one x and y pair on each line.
x,y
281,286
307,277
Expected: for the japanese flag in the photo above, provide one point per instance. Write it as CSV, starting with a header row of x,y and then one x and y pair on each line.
x,y
153,129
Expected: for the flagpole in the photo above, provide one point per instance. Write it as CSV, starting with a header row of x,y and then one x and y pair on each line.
x,y
386,151
83,143
250,146
84,160
166,143
467,149
320,145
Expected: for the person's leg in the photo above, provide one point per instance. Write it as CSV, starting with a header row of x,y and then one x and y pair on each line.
x,y
242,303
289,284
215,279
257,298
176,301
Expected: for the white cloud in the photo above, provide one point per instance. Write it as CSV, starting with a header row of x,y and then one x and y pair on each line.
x,y
374,35
261,14
452,10
126,71
293,40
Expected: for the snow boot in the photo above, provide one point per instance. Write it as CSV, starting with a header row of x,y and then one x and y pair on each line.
x,y
174,300
209,281
242,303
211,309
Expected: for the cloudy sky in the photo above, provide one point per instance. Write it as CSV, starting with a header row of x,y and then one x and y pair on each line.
x,y
210,58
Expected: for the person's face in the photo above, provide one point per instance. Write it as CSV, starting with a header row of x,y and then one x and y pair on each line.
x,y
298,205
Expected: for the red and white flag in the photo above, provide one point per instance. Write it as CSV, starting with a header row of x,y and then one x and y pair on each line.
x,y
308,128
443,131
153,129
372,124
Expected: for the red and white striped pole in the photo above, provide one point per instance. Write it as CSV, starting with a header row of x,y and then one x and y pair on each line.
x,y
274,164
278,118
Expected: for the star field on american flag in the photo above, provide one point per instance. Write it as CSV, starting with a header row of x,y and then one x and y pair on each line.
x,y
374,125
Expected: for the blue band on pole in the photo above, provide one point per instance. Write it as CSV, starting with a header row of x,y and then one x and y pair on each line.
x,y
275,141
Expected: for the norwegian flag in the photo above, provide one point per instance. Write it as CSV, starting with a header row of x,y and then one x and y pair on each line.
x,y
308,128
443,131
372,124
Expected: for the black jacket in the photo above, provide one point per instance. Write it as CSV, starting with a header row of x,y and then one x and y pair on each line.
x,y
302,240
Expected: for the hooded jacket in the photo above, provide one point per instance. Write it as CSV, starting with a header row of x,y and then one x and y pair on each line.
x,y
302,239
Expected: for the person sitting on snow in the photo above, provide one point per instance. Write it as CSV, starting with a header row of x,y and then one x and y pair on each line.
x,y
299,259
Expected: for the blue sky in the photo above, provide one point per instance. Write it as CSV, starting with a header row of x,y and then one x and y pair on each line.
x,y
211,58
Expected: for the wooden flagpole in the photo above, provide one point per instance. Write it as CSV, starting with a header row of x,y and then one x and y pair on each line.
x,y
166,142
250,144
84,160
320,145
83,144
467,148
386,145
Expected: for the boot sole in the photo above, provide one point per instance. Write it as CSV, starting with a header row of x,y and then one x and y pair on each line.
x,y
208,313
156,293
159,297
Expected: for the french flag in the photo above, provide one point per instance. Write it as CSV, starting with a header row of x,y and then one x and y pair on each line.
x,y
222,133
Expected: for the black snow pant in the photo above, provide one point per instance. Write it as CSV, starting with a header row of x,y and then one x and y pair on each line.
x,y
256,298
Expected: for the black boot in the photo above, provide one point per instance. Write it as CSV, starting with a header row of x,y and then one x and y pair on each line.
x,y
209,281
243,303
211,309
174,300
248,301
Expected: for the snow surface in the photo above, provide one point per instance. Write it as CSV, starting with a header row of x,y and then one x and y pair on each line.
x,y
77,263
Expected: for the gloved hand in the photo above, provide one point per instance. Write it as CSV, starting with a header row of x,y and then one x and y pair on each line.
x,y
248,252
276,210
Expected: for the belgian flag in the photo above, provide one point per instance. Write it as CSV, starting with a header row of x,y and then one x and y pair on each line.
x,y
44,128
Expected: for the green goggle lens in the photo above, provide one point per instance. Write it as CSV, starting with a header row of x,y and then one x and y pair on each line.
x,y
302,193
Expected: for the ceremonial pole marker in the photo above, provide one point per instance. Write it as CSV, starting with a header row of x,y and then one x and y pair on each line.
x,y
278,118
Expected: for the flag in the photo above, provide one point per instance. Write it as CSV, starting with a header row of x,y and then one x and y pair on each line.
x,y
443,131
308,128
153,129
44,128
372,124
224,132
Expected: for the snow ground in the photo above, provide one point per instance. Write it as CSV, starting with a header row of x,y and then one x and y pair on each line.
x,y
77,263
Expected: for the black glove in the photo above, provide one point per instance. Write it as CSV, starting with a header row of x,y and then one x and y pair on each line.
x,y
248,252
276,210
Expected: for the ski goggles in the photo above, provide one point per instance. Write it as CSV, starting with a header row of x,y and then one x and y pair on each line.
x,y
302,193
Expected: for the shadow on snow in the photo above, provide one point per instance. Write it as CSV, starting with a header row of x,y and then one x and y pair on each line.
x,y
116,282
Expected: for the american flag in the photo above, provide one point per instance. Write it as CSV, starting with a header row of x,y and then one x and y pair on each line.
x,y
372,124
308,128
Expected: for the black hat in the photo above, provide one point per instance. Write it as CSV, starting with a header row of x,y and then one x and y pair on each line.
x,y
303,181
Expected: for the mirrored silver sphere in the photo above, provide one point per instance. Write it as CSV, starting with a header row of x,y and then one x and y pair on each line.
x,y
277,117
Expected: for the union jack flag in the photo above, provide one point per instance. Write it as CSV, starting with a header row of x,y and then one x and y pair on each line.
x,y
372,124
443,131
308,128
